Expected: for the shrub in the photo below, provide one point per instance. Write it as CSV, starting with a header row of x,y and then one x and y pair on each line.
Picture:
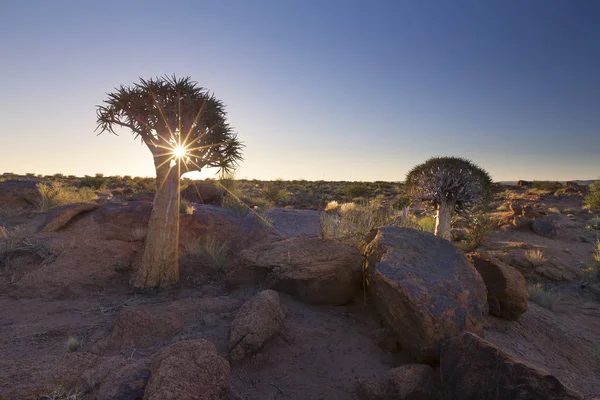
x,y
56,194
479,227
427,224
592,199
122,266
274,192
96,182
359,189
185,207
550,186
545,298
401,203
332,206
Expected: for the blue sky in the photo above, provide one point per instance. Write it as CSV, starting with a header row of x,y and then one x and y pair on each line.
x,y
334,90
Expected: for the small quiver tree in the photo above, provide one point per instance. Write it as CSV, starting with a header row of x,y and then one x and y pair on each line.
x,y
185,128
449,184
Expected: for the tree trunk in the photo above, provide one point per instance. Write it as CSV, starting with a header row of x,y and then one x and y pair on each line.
x,y
160,263
442,219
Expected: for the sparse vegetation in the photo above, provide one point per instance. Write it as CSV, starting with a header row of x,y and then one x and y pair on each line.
x,y
543,297
17,240
480,227
274,192
122,266
358,189
553,210
535,257
55,194
73,343
592,199
353,221
209,248
427,224
185,207
60,393
96,182
138,234
548,186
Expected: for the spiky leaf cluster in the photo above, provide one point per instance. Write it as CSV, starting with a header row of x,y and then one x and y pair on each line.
x,y
453,180
169,111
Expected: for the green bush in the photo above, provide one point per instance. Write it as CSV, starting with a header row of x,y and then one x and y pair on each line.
x,y
427,224
357,190
274,192
97,182
480,226
55,194
592,199
546,185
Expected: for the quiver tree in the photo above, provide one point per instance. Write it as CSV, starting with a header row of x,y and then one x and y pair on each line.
x,y
449,184
185,128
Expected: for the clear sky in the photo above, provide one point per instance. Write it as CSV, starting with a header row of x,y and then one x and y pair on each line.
x,y
327,89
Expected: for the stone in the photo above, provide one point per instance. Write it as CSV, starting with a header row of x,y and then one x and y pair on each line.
x,y
407,382
257,321
506,287
473,369
312,270
60,216
188,370
543,228
424,288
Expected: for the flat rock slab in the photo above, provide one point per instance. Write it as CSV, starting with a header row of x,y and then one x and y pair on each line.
x,y
290,223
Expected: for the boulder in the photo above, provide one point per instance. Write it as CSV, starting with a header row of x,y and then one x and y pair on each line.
x,y
125,383
522,222
257,321
424,288
408,382
61,216
203,193
506,287
188,370
543,228
472,368
531,213
18,197
312,270
516,208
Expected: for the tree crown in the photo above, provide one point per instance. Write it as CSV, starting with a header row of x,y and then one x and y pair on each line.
x,y
176,119
452,180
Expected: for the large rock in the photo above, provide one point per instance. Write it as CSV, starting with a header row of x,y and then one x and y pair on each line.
x,y
424,288
203,193
408,382
188,370
506,287
60,216
543,228
312,270
472,368
18,197
257,321
224,225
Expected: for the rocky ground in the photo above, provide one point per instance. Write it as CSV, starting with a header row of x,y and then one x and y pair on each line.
x,y
288,316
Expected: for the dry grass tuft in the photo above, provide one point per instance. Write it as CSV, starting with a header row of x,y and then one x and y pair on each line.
x,y
545,298
55,194
535,257
138,234
60,393
73,343
209,248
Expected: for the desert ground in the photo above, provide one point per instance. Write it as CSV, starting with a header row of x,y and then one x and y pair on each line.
x,y
277,298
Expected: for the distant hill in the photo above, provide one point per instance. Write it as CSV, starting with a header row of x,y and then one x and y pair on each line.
x,y
580,181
